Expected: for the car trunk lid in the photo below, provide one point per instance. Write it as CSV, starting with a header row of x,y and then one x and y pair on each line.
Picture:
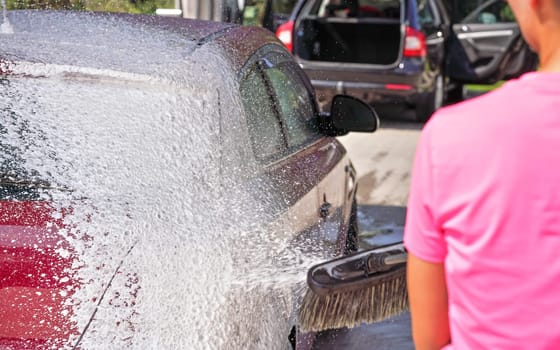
x,y
369,33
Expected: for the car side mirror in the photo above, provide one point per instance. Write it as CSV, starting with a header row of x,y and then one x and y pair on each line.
x,y
348,114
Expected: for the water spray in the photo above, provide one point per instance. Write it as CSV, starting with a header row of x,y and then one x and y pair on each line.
x,y
5,27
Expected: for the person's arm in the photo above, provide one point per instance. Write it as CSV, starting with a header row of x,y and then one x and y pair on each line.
x,y
427,293
427,250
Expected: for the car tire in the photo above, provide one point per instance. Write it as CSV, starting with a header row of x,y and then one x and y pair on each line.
x,y
457,93
432,101
352,243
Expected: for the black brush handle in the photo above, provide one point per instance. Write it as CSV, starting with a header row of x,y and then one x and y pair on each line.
x,y
384,261
396,259
359,270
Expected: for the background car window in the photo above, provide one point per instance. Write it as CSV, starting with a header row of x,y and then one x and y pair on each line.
x,y
265,130
295,104
425,13
283,6
357,8
492,13
267,13
460,9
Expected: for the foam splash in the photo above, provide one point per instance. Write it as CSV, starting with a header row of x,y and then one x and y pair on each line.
x,y
157,172
148,189
6,26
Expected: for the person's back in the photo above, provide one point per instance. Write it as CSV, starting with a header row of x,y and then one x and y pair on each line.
x,y
494,165
483,222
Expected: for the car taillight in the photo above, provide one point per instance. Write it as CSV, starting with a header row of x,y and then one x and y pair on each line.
x,y
36,277
414,43
285,33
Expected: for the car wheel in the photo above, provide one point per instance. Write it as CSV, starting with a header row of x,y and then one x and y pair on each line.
x,y
432,101
352,237
457,93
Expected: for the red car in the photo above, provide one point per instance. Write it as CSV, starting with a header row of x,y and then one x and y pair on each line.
x,y
164,184
35,270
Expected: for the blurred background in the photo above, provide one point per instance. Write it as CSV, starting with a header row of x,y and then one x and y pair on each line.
x,y
267,13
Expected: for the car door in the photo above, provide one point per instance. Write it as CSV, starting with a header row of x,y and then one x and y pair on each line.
x,y
281,177
323,159
306,167
433,21
486,46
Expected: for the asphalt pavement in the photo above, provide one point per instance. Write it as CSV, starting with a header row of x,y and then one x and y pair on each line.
x,y
379,225
393,334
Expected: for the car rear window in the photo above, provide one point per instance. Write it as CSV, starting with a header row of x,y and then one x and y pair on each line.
x,y
357,8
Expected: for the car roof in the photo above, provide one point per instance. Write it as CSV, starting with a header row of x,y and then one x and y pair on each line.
x,y
123,42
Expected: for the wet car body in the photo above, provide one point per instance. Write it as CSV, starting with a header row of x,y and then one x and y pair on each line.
x,y
32,271
432,55
177,166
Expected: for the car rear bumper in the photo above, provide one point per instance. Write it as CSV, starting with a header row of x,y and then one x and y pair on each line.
x,y
372,93
400,84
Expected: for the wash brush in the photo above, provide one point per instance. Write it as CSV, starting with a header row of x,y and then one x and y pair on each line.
x,y
366,287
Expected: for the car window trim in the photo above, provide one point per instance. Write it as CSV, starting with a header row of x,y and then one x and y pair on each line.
x,y
279,65
442,13
437,18
293,151
252,62
283,58
263,65
258,65
266,55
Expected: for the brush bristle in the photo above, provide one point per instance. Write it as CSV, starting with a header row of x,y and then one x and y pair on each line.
x,y
349,309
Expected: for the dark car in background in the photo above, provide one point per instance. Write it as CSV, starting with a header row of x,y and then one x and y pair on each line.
x,y
164,195
486,46
403,51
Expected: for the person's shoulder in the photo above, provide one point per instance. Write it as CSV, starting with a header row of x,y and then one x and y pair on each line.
x,y
479,110
482,104
508,99
475,120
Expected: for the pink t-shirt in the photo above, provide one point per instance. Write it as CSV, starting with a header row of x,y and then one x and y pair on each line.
x,y
485,200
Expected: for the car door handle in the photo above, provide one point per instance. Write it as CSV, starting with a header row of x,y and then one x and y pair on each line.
x,y
325,210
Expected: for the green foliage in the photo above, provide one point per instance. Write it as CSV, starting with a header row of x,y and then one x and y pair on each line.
x,y
283,6
507,14
130,6
46,4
